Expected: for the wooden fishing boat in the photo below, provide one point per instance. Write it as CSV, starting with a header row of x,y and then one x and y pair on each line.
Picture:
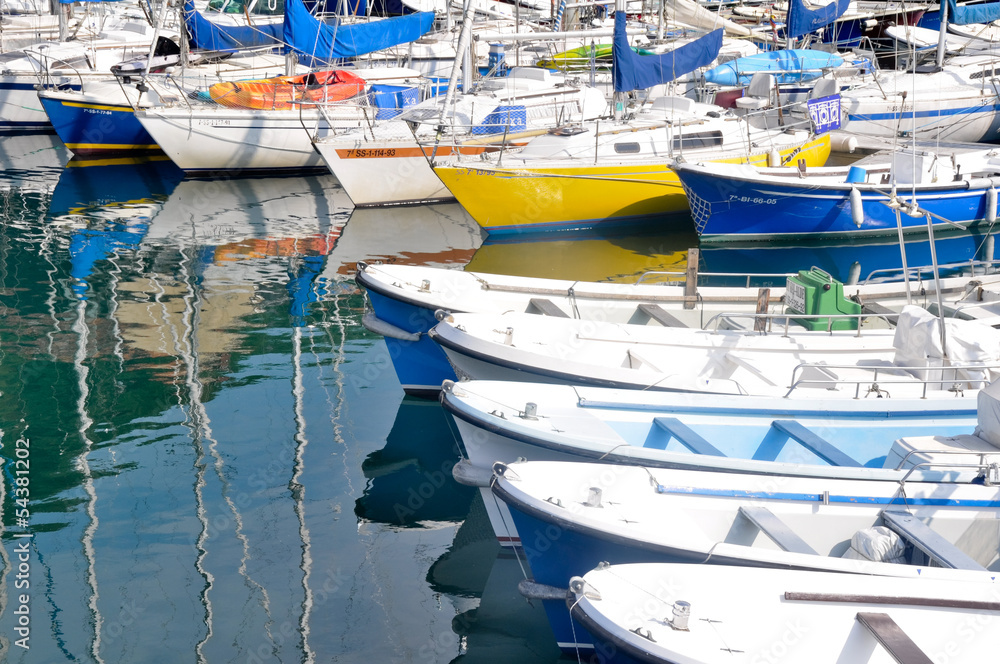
x,y
282,93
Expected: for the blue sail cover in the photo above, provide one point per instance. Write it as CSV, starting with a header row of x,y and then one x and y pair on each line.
x,y
208,36
985,12
802,19
319,43
638,72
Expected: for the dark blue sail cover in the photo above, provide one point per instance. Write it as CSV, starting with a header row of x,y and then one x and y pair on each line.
x,y
207,36
319,43
803,19
638,72
985,12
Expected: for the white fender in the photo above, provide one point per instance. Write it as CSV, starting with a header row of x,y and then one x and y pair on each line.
x,y
774,158
857,209
991,204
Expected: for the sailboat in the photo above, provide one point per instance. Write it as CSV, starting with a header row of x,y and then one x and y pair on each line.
x,y
201,136
98,117
949,99
104,39
611,172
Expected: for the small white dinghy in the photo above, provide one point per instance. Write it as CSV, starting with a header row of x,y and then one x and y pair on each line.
x,y
735,615
737,360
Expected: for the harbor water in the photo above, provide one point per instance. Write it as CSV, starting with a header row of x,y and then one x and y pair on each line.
x,y
208,459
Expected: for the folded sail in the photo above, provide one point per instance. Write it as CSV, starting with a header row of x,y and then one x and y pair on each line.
x,y
325,43
638,72
804,18
208,36
985,12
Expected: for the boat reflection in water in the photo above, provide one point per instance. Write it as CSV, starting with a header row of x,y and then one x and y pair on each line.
x,y
409,480
585,256
494,623
31,162
850,262
440,235
140,187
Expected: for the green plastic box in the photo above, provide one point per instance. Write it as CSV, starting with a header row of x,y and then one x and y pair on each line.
x,y
814,292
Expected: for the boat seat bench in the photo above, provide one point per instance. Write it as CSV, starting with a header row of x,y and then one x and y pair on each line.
x,y
674,428
782,430
916,532
545,307
659,314
892,637
776,529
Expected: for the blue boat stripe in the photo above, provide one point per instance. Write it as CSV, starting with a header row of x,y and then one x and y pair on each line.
x,y
815,497
876,198
909,115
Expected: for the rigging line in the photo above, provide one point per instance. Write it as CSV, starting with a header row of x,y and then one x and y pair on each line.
x,y
199,464
199,414
45,250
83,465
4,559
338,352
298,491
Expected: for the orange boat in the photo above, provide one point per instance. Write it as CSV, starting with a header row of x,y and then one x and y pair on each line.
x,y
285,92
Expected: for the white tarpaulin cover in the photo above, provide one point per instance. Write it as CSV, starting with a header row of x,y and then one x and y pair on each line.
x,y
918,344
878,544
988,406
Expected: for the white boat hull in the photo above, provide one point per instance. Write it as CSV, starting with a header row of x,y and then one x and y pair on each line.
x,y
223,139
383,172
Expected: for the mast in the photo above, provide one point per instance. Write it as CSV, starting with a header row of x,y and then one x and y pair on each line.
x,y
618,101
463,45
942,33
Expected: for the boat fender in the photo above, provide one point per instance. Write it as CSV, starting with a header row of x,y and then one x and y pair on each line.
x,y
373,323
774,158
991,205
857,207
535,590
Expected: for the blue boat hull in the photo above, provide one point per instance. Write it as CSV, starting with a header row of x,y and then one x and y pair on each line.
x,y
90,129
420,365
555,553
733,208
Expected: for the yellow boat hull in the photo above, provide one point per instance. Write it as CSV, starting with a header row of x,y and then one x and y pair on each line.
x,y
517,200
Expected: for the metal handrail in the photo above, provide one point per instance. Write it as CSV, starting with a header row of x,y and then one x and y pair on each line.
x,y
749,276
971,263
874,379
991,471
788,316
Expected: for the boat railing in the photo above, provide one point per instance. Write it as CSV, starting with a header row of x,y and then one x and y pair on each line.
x,y
917,272
45,75
990,471
875,383
762,321
683,276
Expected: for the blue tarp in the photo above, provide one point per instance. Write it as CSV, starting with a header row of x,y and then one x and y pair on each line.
x,y
638,72
206,35
986,12
803,19
319,43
